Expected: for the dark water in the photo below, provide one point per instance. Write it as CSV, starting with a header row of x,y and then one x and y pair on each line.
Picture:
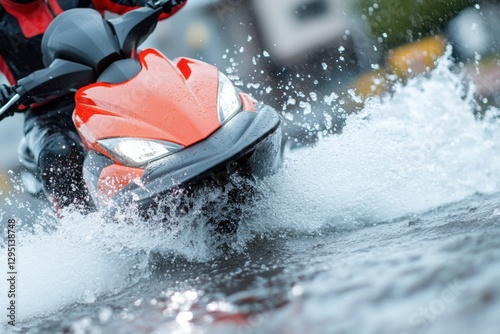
x,y
434,272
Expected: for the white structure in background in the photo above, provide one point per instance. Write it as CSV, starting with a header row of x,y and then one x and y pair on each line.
x,y
291,28
476,31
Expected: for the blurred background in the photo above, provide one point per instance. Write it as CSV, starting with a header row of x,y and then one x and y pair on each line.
x,y
318,60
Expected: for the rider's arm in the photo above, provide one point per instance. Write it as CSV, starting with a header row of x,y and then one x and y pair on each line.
x,y
4,45
123,6
5,90
4,68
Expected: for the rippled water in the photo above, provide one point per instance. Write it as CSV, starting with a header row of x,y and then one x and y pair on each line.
x,y
391,227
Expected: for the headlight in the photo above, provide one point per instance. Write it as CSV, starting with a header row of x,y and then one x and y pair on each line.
x,y
134,152
229,102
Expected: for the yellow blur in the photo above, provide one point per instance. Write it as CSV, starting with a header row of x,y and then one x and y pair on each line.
x,y
405,61
416,58
5,183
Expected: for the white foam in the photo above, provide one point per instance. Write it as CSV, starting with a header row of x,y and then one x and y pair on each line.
x,y
80,258
405,153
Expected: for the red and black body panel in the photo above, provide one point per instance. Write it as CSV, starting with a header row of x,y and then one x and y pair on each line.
x,y
174,102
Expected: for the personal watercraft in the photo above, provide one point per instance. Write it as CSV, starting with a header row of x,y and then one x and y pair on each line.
x,y
149,124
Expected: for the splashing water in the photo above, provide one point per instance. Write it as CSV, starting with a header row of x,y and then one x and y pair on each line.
x,y
77,259
416,149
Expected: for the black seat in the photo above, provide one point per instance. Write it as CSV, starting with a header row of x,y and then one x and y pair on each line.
x,y
81,35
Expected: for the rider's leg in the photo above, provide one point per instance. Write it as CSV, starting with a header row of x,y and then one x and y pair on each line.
x,y
58,151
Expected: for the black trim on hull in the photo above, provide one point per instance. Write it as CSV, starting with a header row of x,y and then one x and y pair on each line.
x,y
249,144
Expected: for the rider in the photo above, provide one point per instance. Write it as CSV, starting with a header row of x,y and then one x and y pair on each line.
x,y
48,129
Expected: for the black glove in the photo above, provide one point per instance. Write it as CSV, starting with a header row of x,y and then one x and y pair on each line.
x,y
6,93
